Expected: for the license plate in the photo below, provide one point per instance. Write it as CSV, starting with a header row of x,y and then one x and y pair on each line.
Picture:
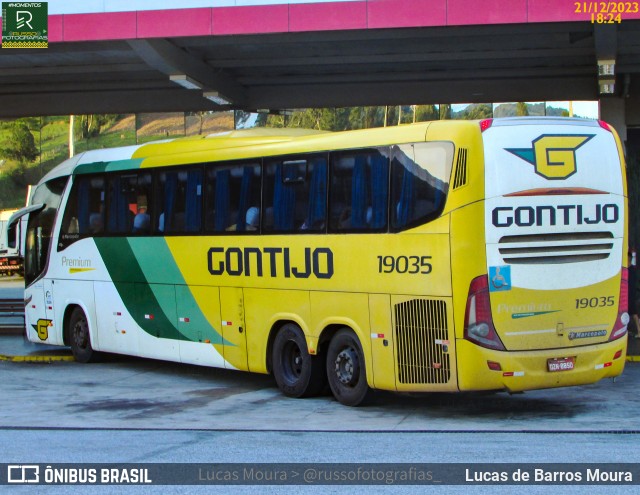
x,y
561,364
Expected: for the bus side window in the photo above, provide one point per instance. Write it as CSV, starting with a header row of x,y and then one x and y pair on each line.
x,y
420,176
179,197
232,198
84,213
130,204
295,194
359,191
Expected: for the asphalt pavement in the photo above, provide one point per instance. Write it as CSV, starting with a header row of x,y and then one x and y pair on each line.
x,y
127,392
131,410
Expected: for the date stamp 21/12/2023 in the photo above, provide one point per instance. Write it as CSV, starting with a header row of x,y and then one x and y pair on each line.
x,y
606,12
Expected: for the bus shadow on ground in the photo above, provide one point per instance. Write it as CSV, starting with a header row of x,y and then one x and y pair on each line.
x,y
229,383
203,387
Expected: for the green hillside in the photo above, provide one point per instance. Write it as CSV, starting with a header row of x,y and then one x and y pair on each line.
x,y
50,142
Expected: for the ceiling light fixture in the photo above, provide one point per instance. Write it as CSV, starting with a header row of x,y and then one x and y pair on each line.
x,y
607,76
217,98
185,81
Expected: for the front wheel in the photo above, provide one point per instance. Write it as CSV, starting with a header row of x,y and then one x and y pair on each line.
x,y
80,339
346,369
297,373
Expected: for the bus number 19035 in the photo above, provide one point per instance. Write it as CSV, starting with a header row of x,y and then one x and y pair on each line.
x,y
404,264
595,302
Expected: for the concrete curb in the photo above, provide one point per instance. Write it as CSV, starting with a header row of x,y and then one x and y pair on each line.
x,y
51,359
35,359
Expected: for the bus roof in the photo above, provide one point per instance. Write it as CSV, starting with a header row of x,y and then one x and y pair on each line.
x,y
256,142
511,121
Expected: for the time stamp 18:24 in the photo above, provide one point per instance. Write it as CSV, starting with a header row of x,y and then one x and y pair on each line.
x,y
606,12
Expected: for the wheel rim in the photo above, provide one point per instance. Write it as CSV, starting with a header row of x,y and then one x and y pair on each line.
x,y
347,366
292,361
81,334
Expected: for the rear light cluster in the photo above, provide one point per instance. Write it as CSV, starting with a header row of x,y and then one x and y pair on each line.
x,y
604,125
478,323
485,124
620,327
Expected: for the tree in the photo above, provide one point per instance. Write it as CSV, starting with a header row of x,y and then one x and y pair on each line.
x,y
21,146
478,111
426,112
521,109
365,117
88,126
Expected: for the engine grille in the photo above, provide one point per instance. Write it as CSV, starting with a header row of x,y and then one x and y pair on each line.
x,y
422,338
555,248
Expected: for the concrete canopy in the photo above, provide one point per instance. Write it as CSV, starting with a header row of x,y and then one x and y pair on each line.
x,y
332,68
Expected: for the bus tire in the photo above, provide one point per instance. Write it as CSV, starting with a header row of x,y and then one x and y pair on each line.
x,y
79,337
297,373
346,369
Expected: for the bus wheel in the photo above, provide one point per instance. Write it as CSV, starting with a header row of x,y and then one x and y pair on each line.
x,y
346,369
297,373
79,337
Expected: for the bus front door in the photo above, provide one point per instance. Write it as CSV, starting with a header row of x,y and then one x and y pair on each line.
x,y
48,285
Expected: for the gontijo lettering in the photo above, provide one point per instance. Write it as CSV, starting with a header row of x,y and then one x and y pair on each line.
x,y
527,216
249,261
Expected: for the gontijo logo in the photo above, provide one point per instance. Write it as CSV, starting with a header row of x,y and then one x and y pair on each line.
x,y
553,155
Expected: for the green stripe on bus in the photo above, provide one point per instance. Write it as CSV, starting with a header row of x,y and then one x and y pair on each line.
x,y
133,263
114,166
141,301
161,262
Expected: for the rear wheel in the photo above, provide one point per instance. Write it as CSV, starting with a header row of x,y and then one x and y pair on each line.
x,y
297,373
346,369
80,339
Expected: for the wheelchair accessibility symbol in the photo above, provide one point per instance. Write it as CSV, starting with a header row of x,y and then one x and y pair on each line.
x,y
499,278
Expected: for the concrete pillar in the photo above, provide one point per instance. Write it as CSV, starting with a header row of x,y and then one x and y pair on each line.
x,y
612,111
631,93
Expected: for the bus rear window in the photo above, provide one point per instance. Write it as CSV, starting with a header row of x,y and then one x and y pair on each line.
x,y
419,182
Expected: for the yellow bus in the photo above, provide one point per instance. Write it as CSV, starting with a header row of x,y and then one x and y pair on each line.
x,y
442,256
